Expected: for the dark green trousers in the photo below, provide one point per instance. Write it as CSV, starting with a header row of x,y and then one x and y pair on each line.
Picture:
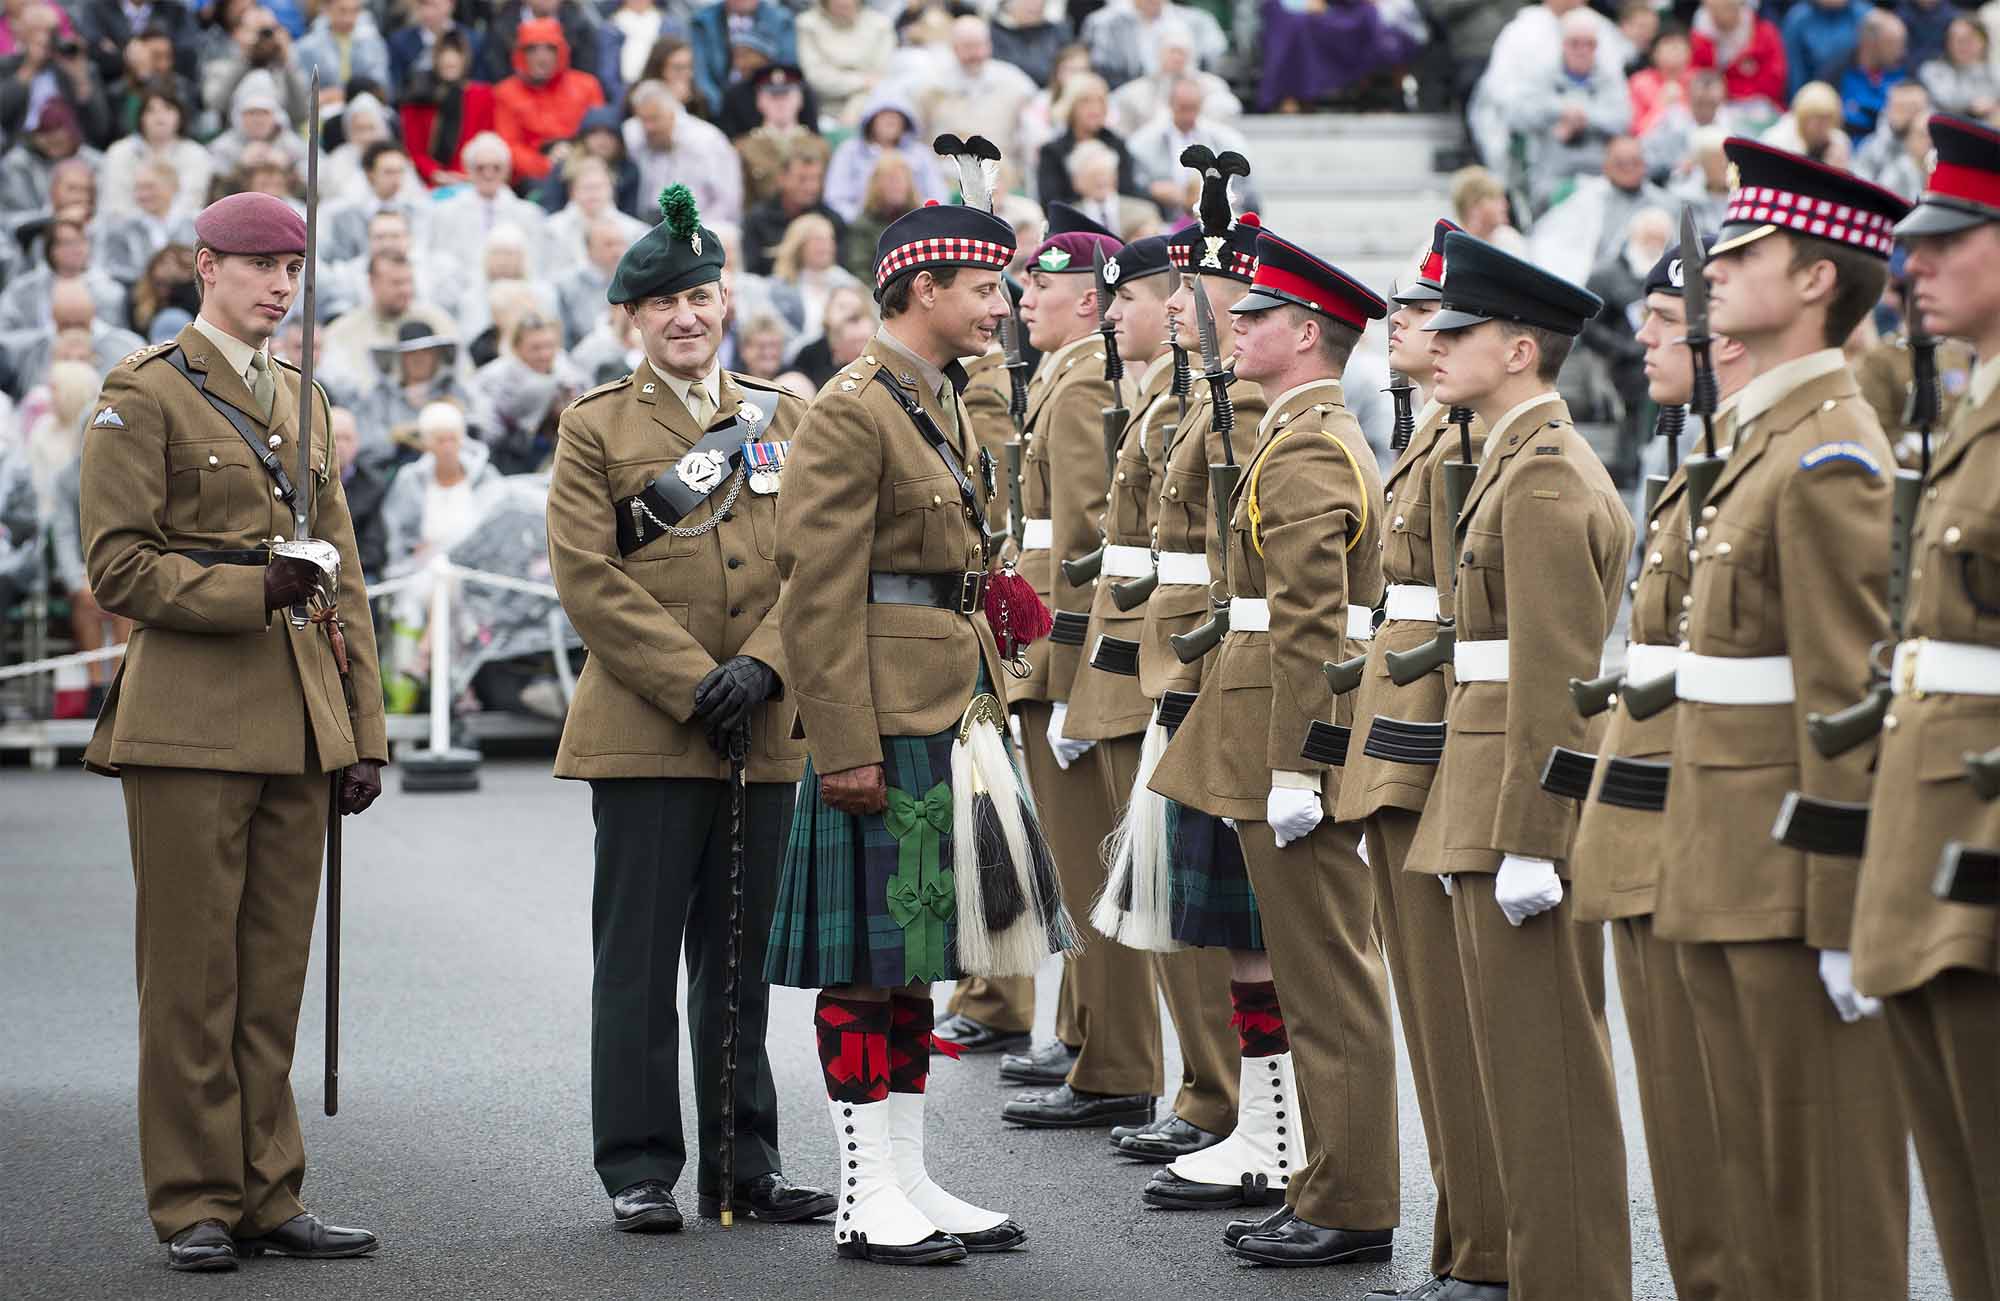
x,y
663,882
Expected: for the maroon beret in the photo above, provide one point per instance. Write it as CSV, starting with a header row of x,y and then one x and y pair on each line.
x,y
251,223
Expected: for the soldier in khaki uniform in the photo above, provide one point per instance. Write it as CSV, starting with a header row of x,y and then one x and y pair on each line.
x,y
1791,553
1615,867
1936,965
1107,705
1469,1230
1104,1066
223,724
1304,572
663,533
1543,540
1885,373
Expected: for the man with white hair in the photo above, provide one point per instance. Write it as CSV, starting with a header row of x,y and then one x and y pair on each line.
x,y
591,202
1093,171
670,147
1184,119
581,289
977,94
1142,99
462,223
1568,112
1528,46
1124,37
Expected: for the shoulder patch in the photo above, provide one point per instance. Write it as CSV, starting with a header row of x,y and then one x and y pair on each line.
x,y
108,418
1835,453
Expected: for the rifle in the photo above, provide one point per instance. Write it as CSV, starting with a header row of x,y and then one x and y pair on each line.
x,y
1133,592
1192,645
1967,874
1081,569
1984,769
1017,411
1407,666
1345,675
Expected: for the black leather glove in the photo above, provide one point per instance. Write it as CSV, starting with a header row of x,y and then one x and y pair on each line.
x,y
289,581
360,783
723,700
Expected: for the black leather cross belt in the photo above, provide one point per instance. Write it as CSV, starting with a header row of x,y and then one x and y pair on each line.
x,y
964,592
208,558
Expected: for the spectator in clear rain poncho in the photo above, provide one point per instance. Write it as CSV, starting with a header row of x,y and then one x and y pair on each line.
x,y
523,391
420,368
256,116
161,138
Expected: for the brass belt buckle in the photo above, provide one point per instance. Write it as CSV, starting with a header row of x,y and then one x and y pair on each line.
x,y
969,584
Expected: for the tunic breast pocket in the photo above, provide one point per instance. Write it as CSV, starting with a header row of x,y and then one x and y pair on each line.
x,y
1960,562
927,513
1733,600
1482,586
1406,551
216,487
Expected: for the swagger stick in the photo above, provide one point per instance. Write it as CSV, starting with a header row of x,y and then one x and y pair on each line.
x,y
732,983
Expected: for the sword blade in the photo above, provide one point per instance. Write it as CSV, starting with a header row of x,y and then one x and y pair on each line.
x,y
302,505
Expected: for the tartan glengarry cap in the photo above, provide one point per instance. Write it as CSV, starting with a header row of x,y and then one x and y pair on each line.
x,y
1964,187
1288,275
1429,284
942,235
1483,283
1774,189
251,223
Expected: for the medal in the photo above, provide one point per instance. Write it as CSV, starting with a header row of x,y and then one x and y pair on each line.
x,y
765,461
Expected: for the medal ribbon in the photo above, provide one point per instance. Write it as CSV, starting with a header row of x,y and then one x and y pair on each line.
x,y
921,894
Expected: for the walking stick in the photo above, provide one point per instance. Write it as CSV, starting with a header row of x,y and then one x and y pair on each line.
x,y
333,947
732,986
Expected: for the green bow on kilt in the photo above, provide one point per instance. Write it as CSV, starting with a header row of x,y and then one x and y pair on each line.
x,y
921,895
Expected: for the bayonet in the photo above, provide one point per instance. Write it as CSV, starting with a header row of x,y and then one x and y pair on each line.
x,y
1083,569
1017,411
1222,477
1407,666
1403,394
1703,470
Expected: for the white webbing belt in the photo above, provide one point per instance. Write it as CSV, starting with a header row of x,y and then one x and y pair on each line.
x,y
1127,562
1735,679
1037,534
1253,614
1644,663
1183,569
1948,668
1480,661
1413,601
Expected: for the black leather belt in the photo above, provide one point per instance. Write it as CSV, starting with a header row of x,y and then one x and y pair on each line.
x,y
963,592
208,559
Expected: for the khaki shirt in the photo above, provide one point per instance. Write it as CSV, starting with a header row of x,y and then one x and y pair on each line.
x,y
1063,479
210,679
1792,561
658,620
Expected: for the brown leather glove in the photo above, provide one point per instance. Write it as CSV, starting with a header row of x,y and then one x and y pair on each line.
x,y
360,783
289,581
856,790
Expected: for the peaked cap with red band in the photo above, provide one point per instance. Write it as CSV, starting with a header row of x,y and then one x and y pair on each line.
x,y
1288,276
1483,283
1429,286
1071,241
1964,188
942,235
1775,189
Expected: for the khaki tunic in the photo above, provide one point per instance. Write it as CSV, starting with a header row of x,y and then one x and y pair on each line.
x,y
1541,567
1416,548
1885,372
1104,705
1180,516
210,679
1063,480
1792,562
1903,935
860,474
658,620
988,389
1310,550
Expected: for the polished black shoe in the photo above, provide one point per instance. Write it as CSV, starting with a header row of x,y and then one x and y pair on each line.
x,y
1424,1291
1235,1231
1300,1242
202,1248
978,1037
773,1199
1065,1108
645,1207
1459,1289
1165,1139
938,1249
307,1237
1048,1064
1170,1192
1004,1236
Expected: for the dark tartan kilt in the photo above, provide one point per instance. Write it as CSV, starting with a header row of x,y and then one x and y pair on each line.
x,y
1213,906
832,924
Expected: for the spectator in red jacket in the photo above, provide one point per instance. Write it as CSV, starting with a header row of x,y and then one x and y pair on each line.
x,y
442,110
1729,35
544,101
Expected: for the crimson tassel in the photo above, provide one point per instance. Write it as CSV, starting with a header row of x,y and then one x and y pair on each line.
x,y
1016,615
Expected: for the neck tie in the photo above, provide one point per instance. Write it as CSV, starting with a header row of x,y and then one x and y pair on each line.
x,y
699,406
263,388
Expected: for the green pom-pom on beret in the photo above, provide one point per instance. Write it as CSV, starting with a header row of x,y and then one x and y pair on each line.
x,y
679,210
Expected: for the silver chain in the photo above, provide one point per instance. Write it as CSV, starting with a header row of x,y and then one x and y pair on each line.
x,y
715,517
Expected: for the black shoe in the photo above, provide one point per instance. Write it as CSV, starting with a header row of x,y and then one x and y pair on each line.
x,y
1234,1232
1065,1108
1163,1140
978,1037
938,1249
1459,1289
645,1207
1170,1192
1004,1236
202,1248
1300,1242
1049,1064
307,1237
772,1199
1427,1290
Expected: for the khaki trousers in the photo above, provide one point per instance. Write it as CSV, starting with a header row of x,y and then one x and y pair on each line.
x,y
1946,1037
227,868
1107,1001
1682,1142
1007,1003
1806,1107
1469,1233
1317,901
1536,994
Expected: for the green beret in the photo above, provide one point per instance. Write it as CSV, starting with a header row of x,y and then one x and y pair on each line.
x,y
677,254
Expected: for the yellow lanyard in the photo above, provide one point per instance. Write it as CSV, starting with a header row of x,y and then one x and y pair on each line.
x,y
1256,515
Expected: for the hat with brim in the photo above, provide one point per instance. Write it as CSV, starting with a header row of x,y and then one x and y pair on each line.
x,y
1288,276
1483,283
1964,186
412,336
1429,284
1773,190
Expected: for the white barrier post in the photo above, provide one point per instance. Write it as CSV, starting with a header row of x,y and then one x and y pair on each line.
x,y
440,630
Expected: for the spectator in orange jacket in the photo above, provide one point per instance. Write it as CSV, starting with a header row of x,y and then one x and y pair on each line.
x,y
543,103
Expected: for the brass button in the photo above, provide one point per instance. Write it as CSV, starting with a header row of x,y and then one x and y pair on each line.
x,y
277,440
275,492
1633,587
1687,602
1389,496
1693,555
1708,512
1173,492
1398,523
1121,476
1654,527
1930,494
1952,535
215,460
1701,533
1655,559
1722,548
936,500
1827,405
1888,722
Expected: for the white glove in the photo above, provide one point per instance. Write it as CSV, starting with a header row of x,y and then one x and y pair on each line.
x,y
1836,972
1065,750
1445,881
1526,887
1292,811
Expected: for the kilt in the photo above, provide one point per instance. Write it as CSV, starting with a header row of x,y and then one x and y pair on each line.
x,y
832,924
1213,906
